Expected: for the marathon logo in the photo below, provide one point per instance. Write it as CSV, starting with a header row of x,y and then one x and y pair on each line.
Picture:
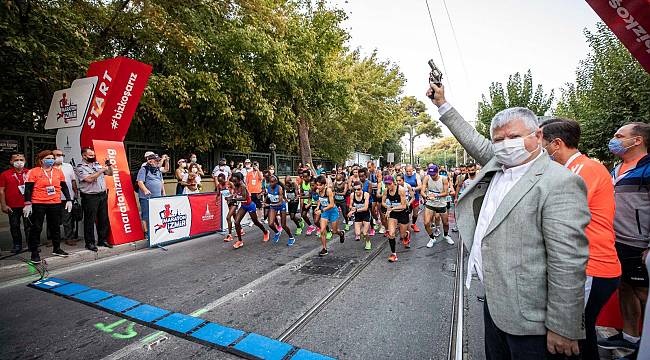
x,y
119,193
68,110
640,33
170,220
207,216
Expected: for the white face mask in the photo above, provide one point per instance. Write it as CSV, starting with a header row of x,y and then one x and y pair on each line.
x,y
19,164
58,160
511,152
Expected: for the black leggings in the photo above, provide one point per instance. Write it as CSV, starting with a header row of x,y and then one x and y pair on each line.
x,y
343,205
39,213
601,290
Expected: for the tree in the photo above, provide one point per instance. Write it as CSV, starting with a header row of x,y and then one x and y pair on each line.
x,y
443,152
610,90
417,122
519,92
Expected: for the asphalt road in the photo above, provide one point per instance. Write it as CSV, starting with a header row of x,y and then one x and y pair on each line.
x,y
399,310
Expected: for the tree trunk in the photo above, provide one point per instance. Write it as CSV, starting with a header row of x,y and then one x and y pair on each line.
x,y
303,139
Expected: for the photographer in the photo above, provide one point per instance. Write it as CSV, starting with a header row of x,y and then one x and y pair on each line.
x,y
94,198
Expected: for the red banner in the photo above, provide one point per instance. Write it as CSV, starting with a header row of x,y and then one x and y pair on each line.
x,y
206,214
630,21
120,84
123,211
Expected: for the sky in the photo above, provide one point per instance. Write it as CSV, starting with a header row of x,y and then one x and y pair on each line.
x,y
496,38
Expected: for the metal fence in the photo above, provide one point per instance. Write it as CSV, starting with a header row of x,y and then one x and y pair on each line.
x,y
31,143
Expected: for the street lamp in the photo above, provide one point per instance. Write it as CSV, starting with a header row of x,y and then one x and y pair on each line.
x,y
272,147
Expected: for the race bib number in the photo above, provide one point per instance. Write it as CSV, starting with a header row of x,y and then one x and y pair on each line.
x,y
50,190
254,182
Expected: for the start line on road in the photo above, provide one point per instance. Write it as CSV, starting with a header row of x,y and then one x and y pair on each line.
x,y
234,341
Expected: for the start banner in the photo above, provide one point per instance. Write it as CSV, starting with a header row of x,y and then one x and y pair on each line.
x,y
630,21
123,211
181,217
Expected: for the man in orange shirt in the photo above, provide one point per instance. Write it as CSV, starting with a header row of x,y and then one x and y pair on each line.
x,y
254,183
561,138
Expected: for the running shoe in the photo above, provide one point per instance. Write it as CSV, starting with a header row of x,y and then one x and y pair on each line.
x,y
341,236
371,232
242,232
431,242
454,228
302,224
276,237
357,238
238,244
436,231
317,233
392,258
617,342
328,236
323,252
266,236
310,229
60,252
376,227
449,240
382,229
415,228
407,240
298,231
368,245
347,227
291,241
228,238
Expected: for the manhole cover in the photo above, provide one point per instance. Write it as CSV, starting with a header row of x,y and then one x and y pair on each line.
x,y
328,266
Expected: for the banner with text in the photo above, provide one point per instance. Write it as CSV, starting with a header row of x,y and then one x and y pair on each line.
x,y
180,217
121,82
122,207
630,21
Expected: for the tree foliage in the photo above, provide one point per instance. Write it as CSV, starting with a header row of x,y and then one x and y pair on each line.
x,y
519,91
443,152
610,90
417,122
229,74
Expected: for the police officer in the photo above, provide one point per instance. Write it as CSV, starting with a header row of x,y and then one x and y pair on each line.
x,y
94,198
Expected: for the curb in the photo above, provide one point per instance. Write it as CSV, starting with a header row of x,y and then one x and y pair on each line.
x,y
19,270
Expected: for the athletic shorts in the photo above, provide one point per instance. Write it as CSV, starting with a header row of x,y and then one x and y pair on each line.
x,y
415,204
438,210
256,200
634,271
293,207
402,217
330,215
279,208
250,207
362,216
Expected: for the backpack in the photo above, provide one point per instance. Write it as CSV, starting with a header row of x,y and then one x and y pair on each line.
x,y
134,179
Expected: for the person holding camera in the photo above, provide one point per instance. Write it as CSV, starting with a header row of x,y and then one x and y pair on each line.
x,y
94,198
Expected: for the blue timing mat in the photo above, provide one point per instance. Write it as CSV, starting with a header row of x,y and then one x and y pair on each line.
x,y
238,342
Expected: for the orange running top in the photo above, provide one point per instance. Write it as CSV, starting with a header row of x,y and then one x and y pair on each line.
x,y
603,260
42,179
254,181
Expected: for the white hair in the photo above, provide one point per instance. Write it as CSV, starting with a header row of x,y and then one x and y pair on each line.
x,y
509,115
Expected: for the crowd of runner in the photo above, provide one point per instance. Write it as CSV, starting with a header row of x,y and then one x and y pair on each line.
x,y
367,200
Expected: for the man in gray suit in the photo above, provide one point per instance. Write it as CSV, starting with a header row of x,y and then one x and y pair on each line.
x,y
523,217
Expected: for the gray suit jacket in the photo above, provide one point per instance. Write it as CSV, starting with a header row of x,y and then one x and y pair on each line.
x,y
535,250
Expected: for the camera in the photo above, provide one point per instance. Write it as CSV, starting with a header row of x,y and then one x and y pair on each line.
x,y
107,162
435,76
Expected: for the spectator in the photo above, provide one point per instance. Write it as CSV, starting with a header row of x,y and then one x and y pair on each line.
x,y
94,198
43,198
561,137
71,182
527,241
222,168
193,180
12,200
193,160
254,179
181,176
632,227
239,169
165,166
319,169
248,167
150,184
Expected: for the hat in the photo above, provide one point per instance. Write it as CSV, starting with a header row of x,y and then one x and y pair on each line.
x,y
388,179
247,160
432,170
222,160
180,161
149,153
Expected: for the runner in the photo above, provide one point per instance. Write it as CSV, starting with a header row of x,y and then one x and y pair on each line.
x,y
394,200
367,188
410,195
374,204
247,205
412,178
314,205
381,189
360,206
293,203
226,189
305,187
327,212
435,191
278,205
340,193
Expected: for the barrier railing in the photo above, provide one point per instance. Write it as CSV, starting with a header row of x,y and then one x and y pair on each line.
x,y
455,349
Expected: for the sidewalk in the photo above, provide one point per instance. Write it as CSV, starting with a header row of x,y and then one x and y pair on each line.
x,y
12,267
